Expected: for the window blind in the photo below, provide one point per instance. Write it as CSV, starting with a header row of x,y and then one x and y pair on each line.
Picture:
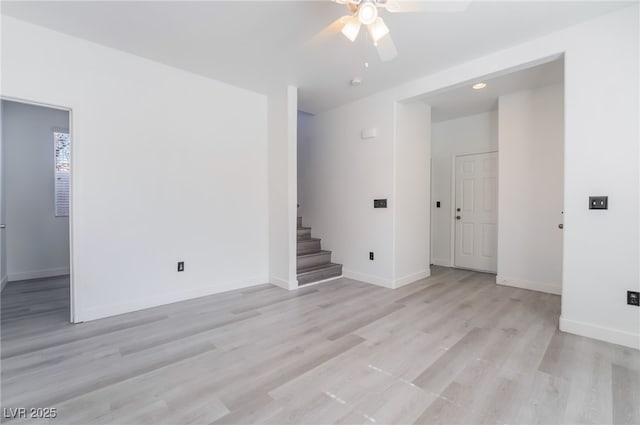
x,y
62,149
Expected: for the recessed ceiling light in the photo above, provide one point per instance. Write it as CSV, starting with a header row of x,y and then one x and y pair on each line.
x,y
356,81
479,86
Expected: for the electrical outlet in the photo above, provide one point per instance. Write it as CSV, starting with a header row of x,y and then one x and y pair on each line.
x,y
371,256
633,298
180,266
598,202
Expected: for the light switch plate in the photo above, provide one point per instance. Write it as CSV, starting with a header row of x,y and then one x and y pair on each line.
x,y
379,203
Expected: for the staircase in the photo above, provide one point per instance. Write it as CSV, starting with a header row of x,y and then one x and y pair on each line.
x,y
313,264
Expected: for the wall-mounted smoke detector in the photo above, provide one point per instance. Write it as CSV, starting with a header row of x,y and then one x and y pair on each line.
x,y
356,81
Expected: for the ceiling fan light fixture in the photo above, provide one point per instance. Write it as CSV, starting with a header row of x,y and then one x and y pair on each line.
x,y
367,12
377,30
351,29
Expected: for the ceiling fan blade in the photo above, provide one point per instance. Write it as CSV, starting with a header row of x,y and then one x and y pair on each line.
x,y
330,30
386,48
427,5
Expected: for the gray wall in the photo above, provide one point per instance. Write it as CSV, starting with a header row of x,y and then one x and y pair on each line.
x,y
37,242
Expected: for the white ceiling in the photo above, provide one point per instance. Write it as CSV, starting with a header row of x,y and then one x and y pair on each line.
x,y
259,45
463,100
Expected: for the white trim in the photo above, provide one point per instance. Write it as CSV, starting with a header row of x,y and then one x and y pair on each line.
x,y
394,182
414,277
292,184
170,298
452,214
34,103
320,281
374,280
278,281
386,283
590,330
441,262
38,274
73,292
550,288
5,279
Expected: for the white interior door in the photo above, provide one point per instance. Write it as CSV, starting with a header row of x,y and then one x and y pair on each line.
x,y
476,212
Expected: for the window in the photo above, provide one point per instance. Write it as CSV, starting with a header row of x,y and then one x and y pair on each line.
x,y
62,149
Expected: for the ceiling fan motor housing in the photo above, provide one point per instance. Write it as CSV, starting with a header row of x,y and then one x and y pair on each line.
x,y
367,12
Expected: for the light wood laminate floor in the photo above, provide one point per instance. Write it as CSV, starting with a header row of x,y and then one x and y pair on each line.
x,y
453,349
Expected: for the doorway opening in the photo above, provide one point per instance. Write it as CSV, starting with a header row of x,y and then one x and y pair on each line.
x,y
315,262
497,176
35,186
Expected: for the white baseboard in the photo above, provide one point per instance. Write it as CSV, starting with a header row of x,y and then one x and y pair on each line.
x,y
442,262
549,288
4,281
85,315
386,283
412,278
278,281
363,277
38,274
601,333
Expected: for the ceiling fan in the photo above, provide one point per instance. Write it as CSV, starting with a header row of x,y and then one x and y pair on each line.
x,y
365,12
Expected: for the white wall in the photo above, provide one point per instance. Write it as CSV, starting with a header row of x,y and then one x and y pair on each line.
x,y
283,111
530,186
4,277
37,240
410,202
304,121
168,166
601,249
461,136
343,175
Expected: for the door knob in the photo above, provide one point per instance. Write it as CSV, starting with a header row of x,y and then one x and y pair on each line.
x,y
458,217
2,226
560,226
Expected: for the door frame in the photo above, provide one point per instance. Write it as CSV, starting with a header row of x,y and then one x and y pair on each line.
x,y
452,221
72,286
